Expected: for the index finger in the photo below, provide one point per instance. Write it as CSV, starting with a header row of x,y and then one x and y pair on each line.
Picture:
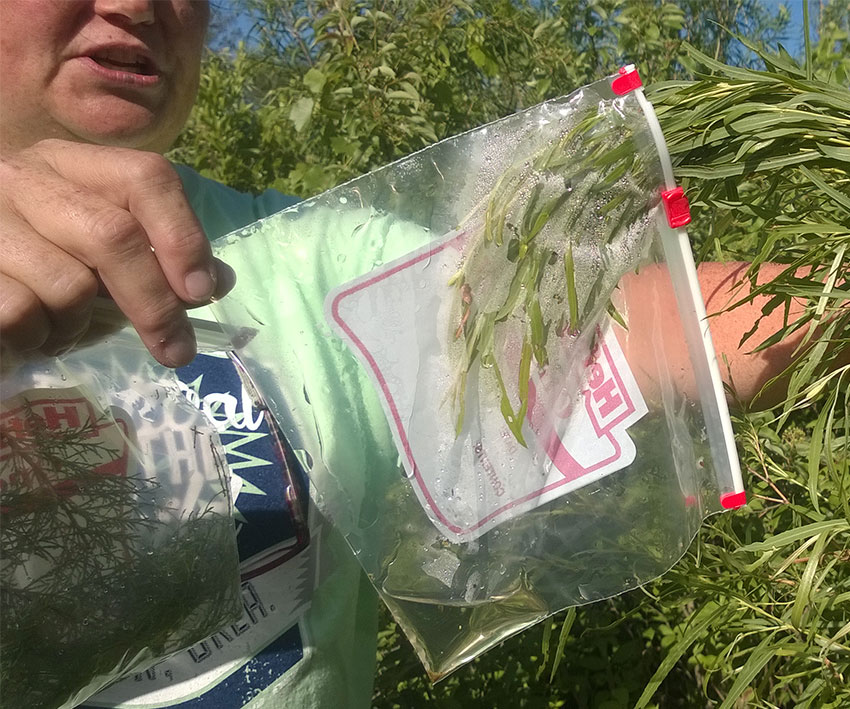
x,y
148,186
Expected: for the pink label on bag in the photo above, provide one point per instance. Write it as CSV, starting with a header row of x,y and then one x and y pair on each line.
x,y
397,322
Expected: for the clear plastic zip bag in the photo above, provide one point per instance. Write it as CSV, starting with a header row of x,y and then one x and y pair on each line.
x,y
117,543
493,358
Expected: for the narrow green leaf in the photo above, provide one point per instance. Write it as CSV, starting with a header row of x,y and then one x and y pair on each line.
x,y
791,558
512,418
721,68
812,692
815,449
698,624
759,657
845,630
840,199
779,541
842,154
547,639
518,284
572,293
530,214
566,627
461,403
831,228
755,123
805,587
767,165
524,376
802,375
539,333
807,38
615,315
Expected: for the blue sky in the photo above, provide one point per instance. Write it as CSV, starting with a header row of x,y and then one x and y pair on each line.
x,y
793,41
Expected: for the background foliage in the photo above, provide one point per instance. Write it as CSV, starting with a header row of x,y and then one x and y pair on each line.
x,y
758,611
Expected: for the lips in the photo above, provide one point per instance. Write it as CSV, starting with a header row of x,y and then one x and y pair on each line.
x,y
125,60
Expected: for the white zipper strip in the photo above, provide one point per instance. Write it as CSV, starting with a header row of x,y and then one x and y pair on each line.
x,y
683,271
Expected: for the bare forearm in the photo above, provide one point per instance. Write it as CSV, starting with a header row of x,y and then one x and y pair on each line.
x,y
651,308
745,371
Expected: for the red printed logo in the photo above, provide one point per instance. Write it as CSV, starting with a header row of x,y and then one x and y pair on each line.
x,y
102,441
606,399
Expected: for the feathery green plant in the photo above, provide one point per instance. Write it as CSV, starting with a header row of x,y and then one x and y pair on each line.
x,y
91,573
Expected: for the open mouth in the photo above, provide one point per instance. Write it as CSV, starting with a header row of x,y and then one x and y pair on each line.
x,y
136,64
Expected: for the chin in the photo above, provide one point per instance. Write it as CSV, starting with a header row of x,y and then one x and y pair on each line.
x,y
129,136
130,126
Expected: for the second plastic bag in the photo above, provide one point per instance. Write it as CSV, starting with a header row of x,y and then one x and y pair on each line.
x,y
491,357
117,540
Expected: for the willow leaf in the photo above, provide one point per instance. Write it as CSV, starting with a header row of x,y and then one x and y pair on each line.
x,y
572,293
731,170
698,624
764,652
547,639
815,450
566,627
795,535
513,419
842,154
805,587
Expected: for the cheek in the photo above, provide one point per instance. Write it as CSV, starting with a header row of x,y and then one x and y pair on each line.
x,y
189,35
33,36
193,17
25,75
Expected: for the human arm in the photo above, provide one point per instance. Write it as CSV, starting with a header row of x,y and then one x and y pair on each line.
x,y
749,375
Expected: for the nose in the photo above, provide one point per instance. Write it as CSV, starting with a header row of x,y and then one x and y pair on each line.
x,y
133,12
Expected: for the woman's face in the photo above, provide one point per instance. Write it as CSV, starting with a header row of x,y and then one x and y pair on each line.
x,y
111,72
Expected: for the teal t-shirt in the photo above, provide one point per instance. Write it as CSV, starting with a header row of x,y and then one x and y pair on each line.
x,y
329,411
338,632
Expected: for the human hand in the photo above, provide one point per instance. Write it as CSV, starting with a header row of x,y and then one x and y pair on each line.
x,y
77,220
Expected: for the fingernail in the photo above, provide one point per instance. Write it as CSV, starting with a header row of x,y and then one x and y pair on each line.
x,y
200,284
180,349
226,280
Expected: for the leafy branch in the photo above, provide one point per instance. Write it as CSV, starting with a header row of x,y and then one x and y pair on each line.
x,y
557,233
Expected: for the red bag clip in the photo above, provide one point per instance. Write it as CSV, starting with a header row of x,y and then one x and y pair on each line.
x,y
733,500
628,80
677,207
